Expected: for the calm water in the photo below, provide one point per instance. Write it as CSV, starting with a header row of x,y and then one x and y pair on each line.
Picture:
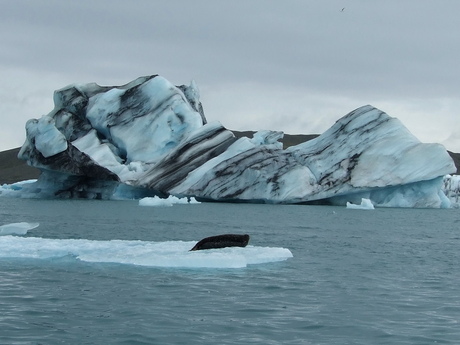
x,y
387,276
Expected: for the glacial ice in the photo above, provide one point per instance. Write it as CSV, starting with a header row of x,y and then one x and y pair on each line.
x,y
451,188
20,228
47,138
170,201
150,138
140,253
366,204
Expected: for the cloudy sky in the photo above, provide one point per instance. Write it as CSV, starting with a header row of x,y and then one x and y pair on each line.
x,y
295,66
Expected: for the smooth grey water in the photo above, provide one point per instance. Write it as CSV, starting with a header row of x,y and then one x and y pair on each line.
x,y
387,276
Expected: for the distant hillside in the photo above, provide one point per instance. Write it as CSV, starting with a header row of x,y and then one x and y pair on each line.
x,y
13,169
456,158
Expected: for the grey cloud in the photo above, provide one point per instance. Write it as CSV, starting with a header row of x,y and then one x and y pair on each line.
x,y
367,47
371,52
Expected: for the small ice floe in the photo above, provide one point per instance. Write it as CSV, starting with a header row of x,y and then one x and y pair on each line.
x,y
15,189
139,253
171,200
17,228
366,204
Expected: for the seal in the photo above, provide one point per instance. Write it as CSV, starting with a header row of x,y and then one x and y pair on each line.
x,y
222,241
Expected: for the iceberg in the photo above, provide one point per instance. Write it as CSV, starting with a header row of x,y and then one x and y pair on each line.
x,y
150,138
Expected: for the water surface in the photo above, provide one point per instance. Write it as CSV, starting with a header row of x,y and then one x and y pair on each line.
x,y
384,276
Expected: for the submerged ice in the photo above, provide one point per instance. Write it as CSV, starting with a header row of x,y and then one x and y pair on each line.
x,y
150,138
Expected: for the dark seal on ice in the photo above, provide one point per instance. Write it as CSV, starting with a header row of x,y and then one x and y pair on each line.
x,y
222,241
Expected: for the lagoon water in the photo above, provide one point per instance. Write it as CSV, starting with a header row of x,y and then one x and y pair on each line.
x,y
114,272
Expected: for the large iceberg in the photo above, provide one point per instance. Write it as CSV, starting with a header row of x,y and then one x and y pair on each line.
x,y
150,138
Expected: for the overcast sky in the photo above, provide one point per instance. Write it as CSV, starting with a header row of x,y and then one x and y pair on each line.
x,y
295,66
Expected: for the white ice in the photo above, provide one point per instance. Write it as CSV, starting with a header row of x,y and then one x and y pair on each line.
x,y
142,253
366,204
47,138
103,155
17,228
145,135
171,200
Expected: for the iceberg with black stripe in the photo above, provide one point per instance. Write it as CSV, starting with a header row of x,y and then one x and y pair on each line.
x,y
149,137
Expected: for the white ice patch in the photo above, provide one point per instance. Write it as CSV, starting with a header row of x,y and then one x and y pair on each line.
x,y
17,228
366,204
103,155
171,200
17,186
141,253
48,140
150,128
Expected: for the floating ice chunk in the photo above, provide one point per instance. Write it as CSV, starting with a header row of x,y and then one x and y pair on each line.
x,y
141,253
192,200
22,189
366,204
17,228
171,200
155,201
15,186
